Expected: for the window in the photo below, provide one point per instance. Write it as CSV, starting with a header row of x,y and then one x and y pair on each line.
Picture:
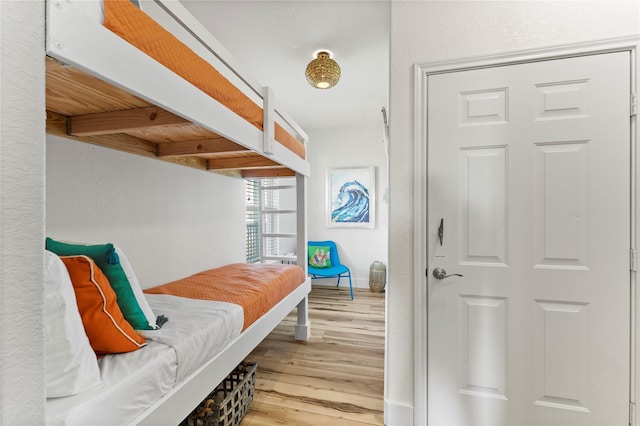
x,y
257,201
252,199
270,222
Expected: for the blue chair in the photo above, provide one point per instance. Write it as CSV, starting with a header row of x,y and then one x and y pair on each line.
x,y
336,269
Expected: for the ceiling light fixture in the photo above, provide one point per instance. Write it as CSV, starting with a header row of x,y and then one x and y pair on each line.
x,y
323,72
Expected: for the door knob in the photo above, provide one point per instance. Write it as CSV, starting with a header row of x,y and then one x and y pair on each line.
x,y
440,273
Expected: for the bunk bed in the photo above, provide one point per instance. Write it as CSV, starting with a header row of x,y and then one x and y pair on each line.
x,y
103,88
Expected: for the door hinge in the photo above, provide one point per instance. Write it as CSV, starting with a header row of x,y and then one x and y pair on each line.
x,y
632,414
634,104
633,257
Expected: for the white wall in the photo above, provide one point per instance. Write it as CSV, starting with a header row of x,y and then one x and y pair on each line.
x,y
21,212
423,32
355,146
170,220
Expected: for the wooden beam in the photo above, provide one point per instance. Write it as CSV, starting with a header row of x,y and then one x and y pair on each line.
x,y
245,162
57,125
205,146
266,173
104,123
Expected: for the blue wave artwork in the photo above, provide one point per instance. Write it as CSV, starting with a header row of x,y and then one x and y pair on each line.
x,y
351,204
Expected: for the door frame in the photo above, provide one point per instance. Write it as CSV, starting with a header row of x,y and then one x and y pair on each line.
x,y
421,208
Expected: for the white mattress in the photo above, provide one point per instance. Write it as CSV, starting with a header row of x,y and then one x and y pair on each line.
x,y
132,382
197,329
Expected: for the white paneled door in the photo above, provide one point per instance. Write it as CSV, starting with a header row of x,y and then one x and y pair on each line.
x,y
529,200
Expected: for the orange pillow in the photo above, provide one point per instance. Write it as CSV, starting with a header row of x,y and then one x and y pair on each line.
x,y
106,328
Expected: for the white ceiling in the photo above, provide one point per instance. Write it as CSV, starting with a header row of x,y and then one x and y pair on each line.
x,y
275,40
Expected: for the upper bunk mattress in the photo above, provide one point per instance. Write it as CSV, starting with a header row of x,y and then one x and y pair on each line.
x,y
256,287
136,27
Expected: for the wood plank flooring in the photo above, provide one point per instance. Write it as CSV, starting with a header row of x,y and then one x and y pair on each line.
x,y
335,378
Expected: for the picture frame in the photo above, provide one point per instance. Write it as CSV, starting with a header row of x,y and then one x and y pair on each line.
x,y
351,197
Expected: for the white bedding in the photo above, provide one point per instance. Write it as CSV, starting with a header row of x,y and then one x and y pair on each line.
x,y
197,329
132,382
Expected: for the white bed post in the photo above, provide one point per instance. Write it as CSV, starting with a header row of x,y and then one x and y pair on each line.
x,y
303,327
268,121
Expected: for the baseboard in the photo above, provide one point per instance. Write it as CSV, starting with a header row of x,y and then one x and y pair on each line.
x,y
397,414
361,283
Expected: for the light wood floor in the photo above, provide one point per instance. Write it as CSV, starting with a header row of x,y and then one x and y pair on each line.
x,y
336,378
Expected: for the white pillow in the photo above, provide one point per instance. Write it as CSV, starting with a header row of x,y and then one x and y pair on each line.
x,y
136,288
71,365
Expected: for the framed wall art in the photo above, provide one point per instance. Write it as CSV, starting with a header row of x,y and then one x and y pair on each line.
x,y
351,197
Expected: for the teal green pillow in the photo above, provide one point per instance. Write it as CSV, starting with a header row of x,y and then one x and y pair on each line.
x,y
107,260
319,257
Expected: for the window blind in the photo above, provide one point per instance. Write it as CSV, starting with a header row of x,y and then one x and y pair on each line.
x,y
257,200
252,197
271,222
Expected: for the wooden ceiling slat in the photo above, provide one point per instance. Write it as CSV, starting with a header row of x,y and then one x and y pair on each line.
x,y
88,94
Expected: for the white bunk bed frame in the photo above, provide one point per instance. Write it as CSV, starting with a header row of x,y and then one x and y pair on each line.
x,y
173,407
77,38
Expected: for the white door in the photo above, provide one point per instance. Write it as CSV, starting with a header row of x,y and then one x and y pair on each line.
x,y
529,174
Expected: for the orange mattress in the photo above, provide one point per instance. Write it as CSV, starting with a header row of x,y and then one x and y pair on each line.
x,y
136,27
256,287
